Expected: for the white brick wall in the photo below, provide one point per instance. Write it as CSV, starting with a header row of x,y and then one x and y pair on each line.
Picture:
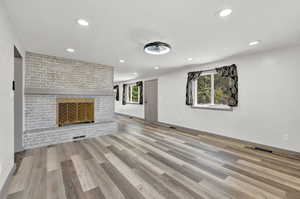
x,y
48,72
40,112
54,73
45,137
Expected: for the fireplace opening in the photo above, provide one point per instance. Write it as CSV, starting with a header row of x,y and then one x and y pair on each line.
x,y
75,111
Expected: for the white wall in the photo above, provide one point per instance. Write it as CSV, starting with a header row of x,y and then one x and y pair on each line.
x,y
7,42
269,100
136,110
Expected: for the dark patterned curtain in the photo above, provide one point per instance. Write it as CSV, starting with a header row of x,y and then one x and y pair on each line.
x,y
189,86
230,72
124,94
116,87
140,84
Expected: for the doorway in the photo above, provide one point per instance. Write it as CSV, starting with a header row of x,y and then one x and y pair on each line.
x,y
151,98
18,100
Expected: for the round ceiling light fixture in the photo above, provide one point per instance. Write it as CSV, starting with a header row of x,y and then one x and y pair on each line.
x,y
157,48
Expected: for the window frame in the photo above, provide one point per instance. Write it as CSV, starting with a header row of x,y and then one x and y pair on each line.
x,y
129,96
211,105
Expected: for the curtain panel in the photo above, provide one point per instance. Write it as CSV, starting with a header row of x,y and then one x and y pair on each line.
x,y
116,87
124,96
140,84
230,72
189,87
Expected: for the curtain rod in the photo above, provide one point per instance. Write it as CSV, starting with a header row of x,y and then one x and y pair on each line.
x,y
207,70
211,69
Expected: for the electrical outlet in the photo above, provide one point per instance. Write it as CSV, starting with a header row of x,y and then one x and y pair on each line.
x,y
285,137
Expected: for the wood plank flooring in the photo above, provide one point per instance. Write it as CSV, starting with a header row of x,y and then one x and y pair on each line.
x,y
145,161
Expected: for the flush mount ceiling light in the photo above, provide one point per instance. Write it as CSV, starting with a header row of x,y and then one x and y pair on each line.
x,y
156,67
225,12
122,61
253,43
82,22
70,50
135,73
190,59
157,48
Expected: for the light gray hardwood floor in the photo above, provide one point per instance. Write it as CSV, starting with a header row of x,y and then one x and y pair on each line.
x,y
145,161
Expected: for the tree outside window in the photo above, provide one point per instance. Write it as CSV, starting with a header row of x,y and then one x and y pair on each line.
x,y
212,89
134,93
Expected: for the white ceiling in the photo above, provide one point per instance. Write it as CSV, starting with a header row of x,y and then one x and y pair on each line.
x,y
120,28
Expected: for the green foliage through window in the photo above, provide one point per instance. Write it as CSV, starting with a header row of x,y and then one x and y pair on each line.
x,y
133,93
213,89
204,90
221,89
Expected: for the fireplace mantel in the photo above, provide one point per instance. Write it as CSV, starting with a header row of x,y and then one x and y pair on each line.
x,y
85,92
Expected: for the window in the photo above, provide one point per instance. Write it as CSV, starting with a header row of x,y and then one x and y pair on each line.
x,y
210,90
133,93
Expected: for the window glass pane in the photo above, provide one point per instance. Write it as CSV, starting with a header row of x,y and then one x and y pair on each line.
x,y
204,90
135,93
221,89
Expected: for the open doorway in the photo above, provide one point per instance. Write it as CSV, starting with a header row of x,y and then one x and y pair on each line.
x,y
18,100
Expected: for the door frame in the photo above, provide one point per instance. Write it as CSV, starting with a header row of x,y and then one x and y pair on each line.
x,y
18,101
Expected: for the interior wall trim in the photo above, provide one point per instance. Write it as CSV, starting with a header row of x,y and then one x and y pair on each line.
x,y
87,92
4,190
248,145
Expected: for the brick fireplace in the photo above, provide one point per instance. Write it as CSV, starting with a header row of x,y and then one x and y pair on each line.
x,y
82,91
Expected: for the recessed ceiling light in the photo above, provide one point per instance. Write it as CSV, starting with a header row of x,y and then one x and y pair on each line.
x,y
135,73
225,12
253,43
82,22
70,50
190,59
156,67
122,60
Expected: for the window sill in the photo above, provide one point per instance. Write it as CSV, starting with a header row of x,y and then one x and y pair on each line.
x,y
136,103
214,107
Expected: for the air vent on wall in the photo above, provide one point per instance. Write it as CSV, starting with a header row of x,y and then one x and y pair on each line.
x,y
79,137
